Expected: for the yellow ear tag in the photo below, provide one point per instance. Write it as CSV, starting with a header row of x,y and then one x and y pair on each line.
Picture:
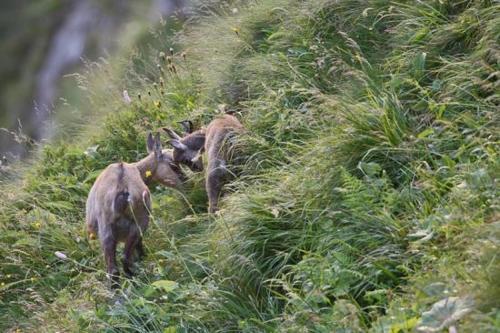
x,y
148,173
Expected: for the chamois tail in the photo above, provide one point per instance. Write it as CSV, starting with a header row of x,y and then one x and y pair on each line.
x,y
122,197
121,201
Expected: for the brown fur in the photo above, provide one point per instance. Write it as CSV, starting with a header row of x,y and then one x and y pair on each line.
x,y
119,203
187,148
218,132
213,140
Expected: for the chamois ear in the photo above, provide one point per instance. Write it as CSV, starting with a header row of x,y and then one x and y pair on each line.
x,y
150,143
172,134
157,145
187,125
177,144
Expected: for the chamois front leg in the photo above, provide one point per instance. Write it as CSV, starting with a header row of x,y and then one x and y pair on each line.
x,y
214,181
109,243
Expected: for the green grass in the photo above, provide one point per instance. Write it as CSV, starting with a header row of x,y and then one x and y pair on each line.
x,y
365,192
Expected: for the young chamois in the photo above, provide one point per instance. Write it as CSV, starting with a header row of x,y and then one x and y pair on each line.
x,y
214,140
119,203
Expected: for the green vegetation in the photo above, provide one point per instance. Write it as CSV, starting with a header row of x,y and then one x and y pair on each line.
x,y
365,197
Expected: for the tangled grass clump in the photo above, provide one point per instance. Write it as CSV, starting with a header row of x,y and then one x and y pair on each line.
x,y
366,190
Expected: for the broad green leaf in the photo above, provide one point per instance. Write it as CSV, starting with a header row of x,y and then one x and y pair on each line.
x,y
166,285
370,169
405,326
444,313
425,133
170,329
436,289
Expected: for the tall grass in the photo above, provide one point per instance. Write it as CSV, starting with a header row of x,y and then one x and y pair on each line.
x,y
366,181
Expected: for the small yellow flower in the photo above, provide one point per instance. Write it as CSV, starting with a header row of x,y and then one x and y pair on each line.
x,y
236,30
3,284
158,104
33,279
9,276
148,173
92,235
37,225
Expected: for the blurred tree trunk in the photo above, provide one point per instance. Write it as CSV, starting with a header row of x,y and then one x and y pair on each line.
x,y
80,28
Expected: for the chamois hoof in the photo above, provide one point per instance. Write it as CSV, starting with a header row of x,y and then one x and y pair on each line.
x,y
114,277
127,270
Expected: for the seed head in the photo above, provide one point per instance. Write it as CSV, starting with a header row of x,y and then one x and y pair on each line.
x,y
126,97
60,255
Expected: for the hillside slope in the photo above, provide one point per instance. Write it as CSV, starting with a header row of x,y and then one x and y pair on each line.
x,y
365,199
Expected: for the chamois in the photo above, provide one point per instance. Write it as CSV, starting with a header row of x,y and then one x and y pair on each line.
x,y
119,203
212,139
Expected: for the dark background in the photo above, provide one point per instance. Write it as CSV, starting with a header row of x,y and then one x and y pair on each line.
x,y
43,40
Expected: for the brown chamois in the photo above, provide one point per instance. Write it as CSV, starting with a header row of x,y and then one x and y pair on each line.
x,y
119,203
212,139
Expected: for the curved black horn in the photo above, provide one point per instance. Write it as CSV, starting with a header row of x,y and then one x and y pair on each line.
x,y
172,134
187,125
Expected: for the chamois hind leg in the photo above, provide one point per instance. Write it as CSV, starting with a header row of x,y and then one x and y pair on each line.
x,y
134,239
142,222
91,224
214,181
130,245
140,249
92,229
108,243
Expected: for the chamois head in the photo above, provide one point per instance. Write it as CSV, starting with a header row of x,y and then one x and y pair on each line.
x,y
188,149
160,165
187,126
